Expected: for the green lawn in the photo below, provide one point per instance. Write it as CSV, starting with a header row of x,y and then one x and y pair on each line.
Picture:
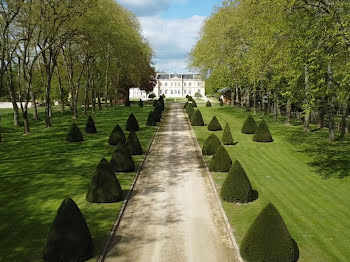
x,y
305,177
39,170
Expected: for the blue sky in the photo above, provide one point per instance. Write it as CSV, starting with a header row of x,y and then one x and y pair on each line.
x,y
172,27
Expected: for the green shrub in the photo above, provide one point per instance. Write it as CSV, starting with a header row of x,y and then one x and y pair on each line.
x,y
197,119
221,161
161,99
268,239
90,126
152,95
150,120
208,104
236,187
132,124
127,103
157,114
104,186
189,98
74,134
221,102
194,104
249,126
155,103
214,125
191,111
69,238
262,133
188,108
162,105
211,145
227,138
186,97
133,144
140,103
116,136
186,104
121,160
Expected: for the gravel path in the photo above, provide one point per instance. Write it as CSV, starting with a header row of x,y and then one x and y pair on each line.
x,y
173,215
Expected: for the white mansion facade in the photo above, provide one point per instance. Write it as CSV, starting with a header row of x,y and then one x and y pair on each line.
x,y
174,85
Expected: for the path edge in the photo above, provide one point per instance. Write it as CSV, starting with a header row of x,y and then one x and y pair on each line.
x,y
102,257
212,183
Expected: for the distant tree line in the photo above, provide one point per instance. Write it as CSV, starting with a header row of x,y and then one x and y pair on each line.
x,y
281,55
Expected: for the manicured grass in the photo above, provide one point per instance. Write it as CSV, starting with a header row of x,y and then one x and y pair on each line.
x,y
39,170
305,176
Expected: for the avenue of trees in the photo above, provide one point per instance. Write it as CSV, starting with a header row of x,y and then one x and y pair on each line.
x,y
76,52
281,56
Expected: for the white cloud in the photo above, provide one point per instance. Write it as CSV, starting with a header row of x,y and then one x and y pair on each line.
x,y
172,40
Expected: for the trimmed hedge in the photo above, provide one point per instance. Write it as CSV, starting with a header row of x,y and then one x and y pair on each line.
x,y
236,187
69,237
74,134
189,98
191,111
211,145
221,161
186,104
227,138
127,103
268,239
116,136
188,108
194,104
104,186
221,102
214,125
121,160
208,104
157,114
249,126
150,120
197,119
262,133
140,103
133,144
90,126
132,124
155,103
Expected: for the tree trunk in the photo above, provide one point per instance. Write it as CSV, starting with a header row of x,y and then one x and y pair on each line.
x,y
93,94
289,112
331,126
12,92
25,120
34,106
331,132
275,107
345,118
321,116
60,87
306,101
99,101
247,102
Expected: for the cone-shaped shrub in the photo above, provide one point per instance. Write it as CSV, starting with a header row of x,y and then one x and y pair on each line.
x,y
197,119
104,186
211,145
221,161
221,102
189,98
236,187
268,238
249,126
227,138
162,105
155,103
127,103
262,133
194,104
188,108
157,114
214,125
161,99
121,160
208,104
90,126
186,104
74,134
191,111
116,136
140,103
132,124
69,238
150,120
133,144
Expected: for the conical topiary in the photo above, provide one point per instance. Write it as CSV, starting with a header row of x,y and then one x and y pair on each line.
x,y
69,238
104,186
262,133
74,134
197,119
121,160
189,98
140,103
132,124
150,120
249,126
227,138
191,111
127,103
211,145
214,125
186,104
236,187
189,107
208,104
133,144
221,161
221,102
162,105
268,239
116,136
155,103
194,104
90,126
157,114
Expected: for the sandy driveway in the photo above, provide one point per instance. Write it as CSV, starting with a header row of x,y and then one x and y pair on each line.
x,y
173,215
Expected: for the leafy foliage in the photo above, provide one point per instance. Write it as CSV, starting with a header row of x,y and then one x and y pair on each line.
x,y
121,160
262,133
133,144
90,126
249,126
150,120
221,161
117,136
227,138
208,104
74,134
211,145
132,124
197,119
214,125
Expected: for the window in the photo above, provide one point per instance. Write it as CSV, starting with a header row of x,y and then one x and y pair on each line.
x,y
199,91
166,91
184,83
179,84
160,83
190,91
166,83
190,83
199,83
171,83
171,91
185,92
